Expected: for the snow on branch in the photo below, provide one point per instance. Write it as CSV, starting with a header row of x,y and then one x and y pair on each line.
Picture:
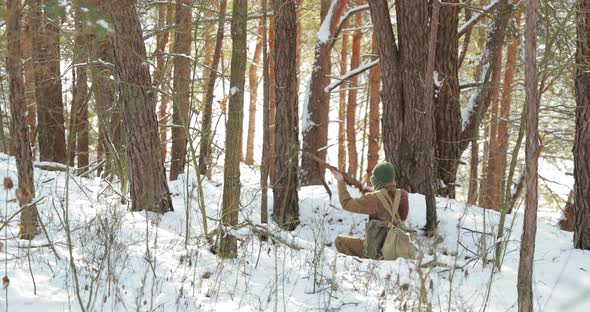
x,y
471,22
339,80
345,17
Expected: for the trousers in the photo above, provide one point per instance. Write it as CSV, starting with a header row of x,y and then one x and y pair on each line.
x,y
349,245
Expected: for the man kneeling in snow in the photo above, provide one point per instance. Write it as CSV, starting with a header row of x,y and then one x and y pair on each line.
x,y
387,208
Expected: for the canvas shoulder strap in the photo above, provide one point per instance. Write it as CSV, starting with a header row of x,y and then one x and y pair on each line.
x,y
392,207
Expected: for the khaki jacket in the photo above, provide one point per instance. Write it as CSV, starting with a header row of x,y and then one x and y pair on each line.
x,y
370,205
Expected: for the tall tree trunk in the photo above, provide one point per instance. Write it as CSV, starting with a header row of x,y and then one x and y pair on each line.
x,y
253,82
505,104
109,114
582,139
205,148
355,62
427,136
406,95
490,194
46,59
149,189
79,112
272,104
374,85
316,106
20,132
182,81
286,202
233,137
162,37
342,104
448,108
527,247
482,97
264,163
29,76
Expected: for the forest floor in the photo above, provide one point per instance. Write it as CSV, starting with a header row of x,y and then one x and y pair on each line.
x,y
138,261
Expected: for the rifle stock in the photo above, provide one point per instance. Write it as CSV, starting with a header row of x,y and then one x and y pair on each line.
x,y
347,178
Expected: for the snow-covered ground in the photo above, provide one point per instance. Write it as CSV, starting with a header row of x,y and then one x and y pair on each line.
x,y
137,261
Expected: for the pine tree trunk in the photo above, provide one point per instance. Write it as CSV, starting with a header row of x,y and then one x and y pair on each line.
x,y
149,189
111,139
160,73
355,61
529,230
253,83
205,147
374,85
272,104
46,62
490,195
448,108
286,202
582,138
505,104
233,138
342,104
317,104
264,163
29,75
20,138
79,112
482,97
182,80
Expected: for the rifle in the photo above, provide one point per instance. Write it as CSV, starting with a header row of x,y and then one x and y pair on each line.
x,y
348,179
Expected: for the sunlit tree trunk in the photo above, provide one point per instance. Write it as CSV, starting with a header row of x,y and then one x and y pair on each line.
x,y
233,137
160,73
342,104
355,61
317,102
286,180
79,112
529,230
29,75
582,138
206,122
374,109
20,138
45,20
181,89
148,187
253,83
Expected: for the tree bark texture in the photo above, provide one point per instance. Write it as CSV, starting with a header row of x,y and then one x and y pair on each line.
x,y
286,180
149,189
205,147
317,105
19,129
447,106
160,73
374,109
355,62
46,61
582,138
529,230
181,90
253,83
29,75
342,104
79,113
233,139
